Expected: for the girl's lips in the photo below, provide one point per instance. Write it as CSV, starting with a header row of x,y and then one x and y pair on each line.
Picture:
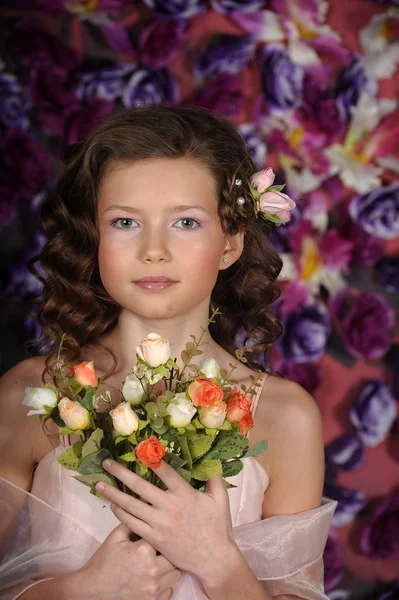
x,y
155,284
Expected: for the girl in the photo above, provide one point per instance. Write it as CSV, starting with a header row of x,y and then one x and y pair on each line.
x,y
151,225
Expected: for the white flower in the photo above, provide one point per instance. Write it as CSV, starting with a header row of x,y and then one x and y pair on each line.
x,y
37,398
124,419
181,410
74,415
214,415
380,46
154,349
133,390
210,368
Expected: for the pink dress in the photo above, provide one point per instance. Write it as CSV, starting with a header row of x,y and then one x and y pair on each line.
x,y
60,525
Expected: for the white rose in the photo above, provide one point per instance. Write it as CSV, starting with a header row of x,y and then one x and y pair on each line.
x,y
133,391
213,416
181,410
37,398
74,415
210,368
154,349
124,419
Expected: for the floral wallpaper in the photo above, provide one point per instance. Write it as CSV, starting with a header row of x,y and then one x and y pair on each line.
x,y
313,86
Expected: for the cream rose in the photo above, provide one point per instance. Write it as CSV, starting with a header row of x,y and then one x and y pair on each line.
x,y
133,390
124,419
213,416
74,415
37,398
181,410
154,349
210,368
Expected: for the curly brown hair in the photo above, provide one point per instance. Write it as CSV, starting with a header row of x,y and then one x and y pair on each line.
x,y
73,299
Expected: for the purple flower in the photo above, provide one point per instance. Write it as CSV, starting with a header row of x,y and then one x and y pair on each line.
x,y
393,593
9,202
351,82
282,80
147,88
380,539
254,143
229,6
387,270
378,211
222,95
102,81
27,162
176,9
319,108
345,452
225,54
63,6
307,375
13,104
333,561
366,329
350,502
373,412
81,122
160,42
52,96
305,333
23,285
366,249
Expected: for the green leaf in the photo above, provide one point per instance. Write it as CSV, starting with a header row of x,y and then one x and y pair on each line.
x,y
185,357
211,432
199,445
93,443
256,449
128,457
93,462
185,452
142,424
91,479
162,370
206,469
197,423
190,347
197,352
226,426
173,364
174,460
277,188
87,400
119,439
232,468
228,444
67,431
184,473
190,427
72,457
229,485
193,367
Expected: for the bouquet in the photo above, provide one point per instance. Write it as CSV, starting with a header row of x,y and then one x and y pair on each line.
x,y
192,416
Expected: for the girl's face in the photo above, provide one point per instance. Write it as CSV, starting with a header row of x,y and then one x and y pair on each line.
x,y
161,242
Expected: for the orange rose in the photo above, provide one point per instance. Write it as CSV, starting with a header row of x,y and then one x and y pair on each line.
x,y
85,374
151,452
238,404
246,423
204,392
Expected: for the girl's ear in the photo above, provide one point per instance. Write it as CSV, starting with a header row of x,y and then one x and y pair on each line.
x,y
232,250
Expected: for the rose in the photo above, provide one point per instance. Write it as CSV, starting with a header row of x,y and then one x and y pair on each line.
x,y
82,121
380,539
239,6
181,410
277,203
238,404
213,416
378,211
150,452
225,54
263,179
254,143
351,83
38,398
154,349
176,9
350,502
246,423
346,452
204,392
13,104
134,390
104,82
146,88
222,95
373,412
282,80
124,419
160,42
85,374
387,271
210,368
74,415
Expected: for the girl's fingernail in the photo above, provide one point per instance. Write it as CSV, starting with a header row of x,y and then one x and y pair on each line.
x,y
107,463
100,486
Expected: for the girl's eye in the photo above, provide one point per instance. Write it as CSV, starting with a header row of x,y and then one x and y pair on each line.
x,y
124,220
187,224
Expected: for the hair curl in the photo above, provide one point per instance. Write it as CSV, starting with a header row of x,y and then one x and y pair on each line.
x,y
73,299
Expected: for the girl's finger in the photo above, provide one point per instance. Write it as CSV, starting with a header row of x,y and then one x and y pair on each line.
x,y
140,486
135,525
164,565
169,579
166,595
134,506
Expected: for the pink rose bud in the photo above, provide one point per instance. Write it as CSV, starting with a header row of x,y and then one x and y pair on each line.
x,y
277,203
74,415
85,374
263,179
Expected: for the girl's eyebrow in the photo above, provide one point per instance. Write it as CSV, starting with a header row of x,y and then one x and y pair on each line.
x,y
182,207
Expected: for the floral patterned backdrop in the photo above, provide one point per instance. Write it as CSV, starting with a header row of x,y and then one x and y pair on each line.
x,y
314,88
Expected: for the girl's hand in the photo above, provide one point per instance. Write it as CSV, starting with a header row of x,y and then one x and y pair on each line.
x,y
192,529
124,570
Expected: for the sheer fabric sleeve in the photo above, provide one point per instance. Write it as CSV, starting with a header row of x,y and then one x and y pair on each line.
x,y
285,552
37,542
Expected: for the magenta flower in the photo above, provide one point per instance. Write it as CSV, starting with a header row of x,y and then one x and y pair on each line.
x,y
81,122
380,539
160,42
222,95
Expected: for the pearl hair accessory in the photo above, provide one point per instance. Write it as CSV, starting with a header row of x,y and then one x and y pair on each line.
x,y
240,200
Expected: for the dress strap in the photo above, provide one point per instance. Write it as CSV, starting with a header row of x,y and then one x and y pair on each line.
x,y
255,399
